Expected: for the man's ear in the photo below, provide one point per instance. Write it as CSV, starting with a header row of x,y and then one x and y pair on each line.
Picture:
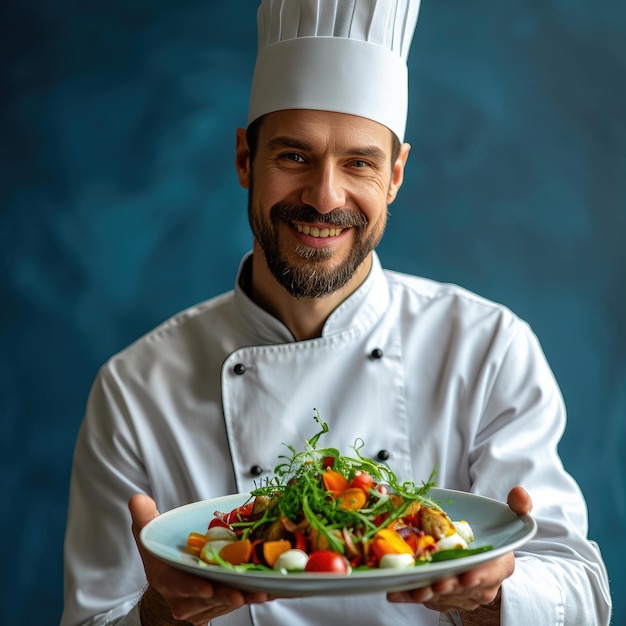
x,y
397,172
242,158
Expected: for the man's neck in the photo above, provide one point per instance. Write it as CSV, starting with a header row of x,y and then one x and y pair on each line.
x,y
304,317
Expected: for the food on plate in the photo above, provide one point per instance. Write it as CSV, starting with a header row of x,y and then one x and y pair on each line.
x,y
325,512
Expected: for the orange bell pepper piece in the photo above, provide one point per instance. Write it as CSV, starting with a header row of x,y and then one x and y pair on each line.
x,y
237,552
273,549
196,540
388,541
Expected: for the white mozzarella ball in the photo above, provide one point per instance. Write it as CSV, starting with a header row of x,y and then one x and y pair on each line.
x,y
220,532
293,560
452,542
396,561
465,530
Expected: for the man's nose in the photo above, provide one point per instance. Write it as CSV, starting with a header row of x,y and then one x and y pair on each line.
x,y
324,189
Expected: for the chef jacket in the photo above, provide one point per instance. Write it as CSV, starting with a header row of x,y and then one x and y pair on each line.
x,y
427,373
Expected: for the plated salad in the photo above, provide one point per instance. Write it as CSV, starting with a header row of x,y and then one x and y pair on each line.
x,y
325,512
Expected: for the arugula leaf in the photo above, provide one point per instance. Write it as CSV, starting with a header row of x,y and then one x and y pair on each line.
x,y
297,492
448,555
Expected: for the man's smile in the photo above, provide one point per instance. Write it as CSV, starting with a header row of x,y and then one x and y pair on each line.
x,y
314,231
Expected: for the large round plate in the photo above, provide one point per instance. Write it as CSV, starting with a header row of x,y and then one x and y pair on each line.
x,y
493,524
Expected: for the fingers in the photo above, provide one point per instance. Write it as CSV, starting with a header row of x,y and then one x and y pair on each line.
x,y
519,501
142,509
202,609
419,596
444,596
467,591
191,607
492,572
175,593
447,595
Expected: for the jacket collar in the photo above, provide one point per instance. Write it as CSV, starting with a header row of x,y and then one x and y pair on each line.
x,y
360,310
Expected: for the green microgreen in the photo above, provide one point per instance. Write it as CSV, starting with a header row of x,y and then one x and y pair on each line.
x,y
296,491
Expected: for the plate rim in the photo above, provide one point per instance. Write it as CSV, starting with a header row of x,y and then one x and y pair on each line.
x,y
309,583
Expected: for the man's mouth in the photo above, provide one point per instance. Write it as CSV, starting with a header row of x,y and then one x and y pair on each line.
x,y
314,231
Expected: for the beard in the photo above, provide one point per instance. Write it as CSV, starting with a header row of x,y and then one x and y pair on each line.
x,y
308,275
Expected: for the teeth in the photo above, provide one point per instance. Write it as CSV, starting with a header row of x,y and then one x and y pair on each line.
x,y
317,232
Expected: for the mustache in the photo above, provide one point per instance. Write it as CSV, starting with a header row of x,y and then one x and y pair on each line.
x,y
285,212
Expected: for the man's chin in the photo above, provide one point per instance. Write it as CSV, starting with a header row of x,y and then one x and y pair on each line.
x,y
313,279
305,254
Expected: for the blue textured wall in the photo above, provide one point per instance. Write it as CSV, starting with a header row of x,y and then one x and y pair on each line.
x,y
119,206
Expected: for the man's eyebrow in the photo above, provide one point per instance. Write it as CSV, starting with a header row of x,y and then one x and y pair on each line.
x,y
277,143
281,142
371,152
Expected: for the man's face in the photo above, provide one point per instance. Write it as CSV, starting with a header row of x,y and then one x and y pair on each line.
x,y
319,187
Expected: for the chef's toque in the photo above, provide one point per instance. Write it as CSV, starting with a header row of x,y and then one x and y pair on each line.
x,y
346,56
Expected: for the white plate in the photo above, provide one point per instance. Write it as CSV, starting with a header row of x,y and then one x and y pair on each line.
x,y
493,524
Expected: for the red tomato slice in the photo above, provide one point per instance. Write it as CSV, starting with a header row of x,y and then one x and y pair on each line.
x,y
240,513
362,480
216,521
327,561
300,541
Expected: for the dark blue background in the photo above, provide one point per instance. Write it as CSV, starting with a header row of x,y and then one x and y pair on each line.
x,y
119,206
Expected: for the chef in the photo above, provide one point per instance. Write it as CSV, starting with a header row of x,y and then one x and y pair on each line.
x,y
428,375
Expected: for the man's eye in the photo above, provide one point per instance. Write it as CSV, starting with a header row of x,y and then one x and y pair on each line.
x,y
293,156
358,163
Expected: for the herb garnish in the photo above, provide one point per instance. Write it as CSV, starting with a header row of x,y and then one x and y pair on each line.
x,y
296,491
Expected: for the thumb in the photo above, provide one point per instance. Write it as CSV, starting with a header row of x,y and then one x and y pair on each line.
x,y
143,510
519,501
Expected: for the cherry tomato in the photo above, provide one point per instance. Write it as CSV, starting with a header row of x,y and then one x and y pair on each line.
x,y
327,561
328,461
362,480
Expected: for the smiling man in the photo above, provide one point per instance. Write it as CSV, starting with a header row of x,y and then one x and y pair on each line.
x,y
425,374
319,186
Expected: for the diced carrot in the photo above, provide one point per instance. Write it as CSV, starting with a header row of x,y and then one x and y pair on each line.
x,y
334,481
352,499
237,552
273,549
196,540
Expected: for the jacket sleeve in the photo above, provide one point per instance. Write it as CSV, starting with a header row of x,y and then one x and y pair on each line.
x,y
559,577
103,573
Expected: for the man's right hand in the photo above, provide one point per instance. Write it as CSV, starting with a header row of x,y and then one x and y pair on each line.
x,y
176,595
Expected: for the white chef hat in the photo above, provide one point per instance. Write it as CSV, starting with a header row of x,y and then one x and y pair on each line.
x,y
347,56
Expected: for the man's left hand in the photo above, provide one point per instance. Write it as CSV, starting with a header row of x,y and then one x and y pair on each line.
x,y
475,588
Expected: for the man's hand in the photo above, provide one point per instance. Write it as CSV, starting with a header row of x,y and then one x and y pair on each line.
x,y
176,595
475,588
